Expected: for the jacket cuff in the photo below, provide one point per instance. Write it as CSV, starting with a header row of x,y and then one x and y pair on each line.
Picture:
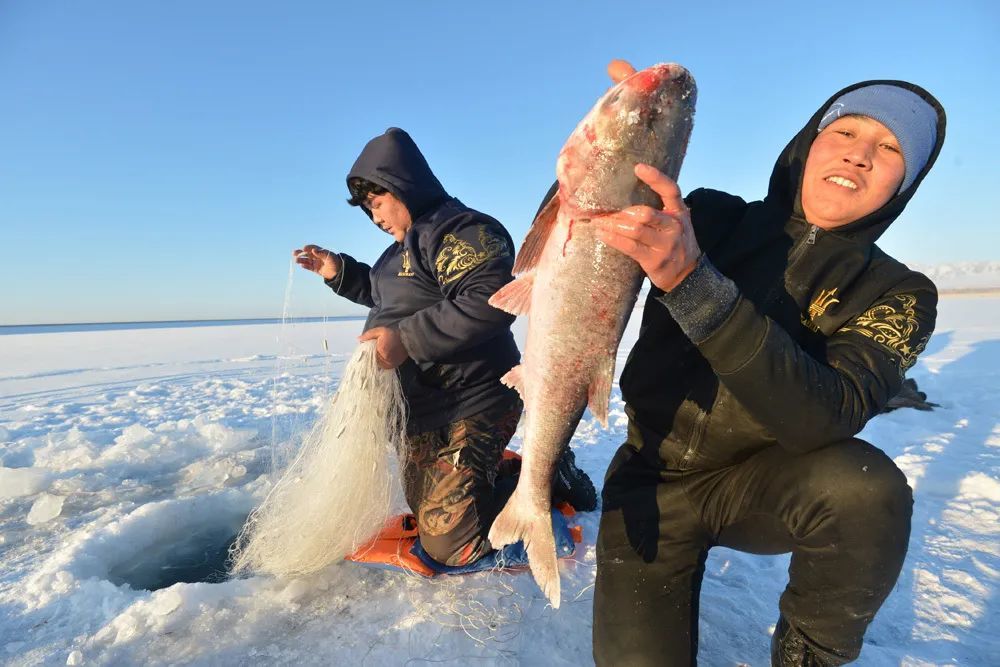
x,y
338,280
702,301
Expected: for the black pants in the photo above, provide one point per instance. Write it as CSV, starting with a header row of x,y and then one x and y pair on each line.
x,y
843,511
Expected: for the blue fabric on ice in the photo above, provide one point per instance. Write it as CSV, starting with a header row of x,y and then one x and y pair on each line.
x,y
512,555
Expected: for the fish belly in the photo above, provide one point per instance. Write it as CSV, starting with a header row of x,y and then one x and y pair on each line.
x,y
583,294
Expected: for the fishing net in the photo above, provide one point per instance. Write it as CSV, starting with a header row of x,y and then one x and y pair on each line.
x,y
339,489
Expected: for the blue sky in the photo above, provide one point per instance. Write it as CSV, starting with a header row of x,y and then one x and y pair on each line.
x,y
160,160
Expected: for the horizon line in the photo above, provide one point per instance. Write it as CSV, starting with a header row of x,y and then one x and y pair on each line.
x,y
176,321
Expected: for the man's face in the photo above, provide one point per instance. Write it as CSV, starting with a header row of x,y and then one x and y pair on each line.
x,y
390,215
854,167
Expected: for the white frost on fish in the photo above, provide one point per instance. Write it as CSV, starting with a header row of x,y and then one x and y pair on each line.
x,y
579,292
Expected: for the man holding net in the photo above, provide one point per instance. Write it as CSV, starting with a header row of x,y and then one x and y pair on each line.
x,y
430,320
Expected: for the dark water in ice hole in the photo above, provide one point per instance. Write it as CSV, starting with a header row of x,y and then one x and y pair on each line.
x,y
200,555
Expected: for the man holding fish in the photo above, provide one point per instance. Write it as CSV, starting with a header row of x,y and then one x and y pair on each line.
x,y
773,331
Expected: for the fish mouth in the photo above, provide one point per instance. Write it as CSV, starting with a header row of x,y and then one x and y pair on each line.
x,y
648,80
642,101
630,125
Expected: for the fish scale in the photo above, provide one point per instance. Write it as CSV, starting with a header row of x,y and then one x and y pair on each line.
x,y
579,292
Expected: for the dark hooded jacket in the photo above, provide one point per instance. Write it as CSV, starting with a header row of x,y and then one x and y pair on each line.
x,y
824,326
433,287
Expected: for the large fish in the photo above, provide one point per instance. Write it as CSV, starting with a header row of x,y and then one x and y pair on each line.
x,y
579,292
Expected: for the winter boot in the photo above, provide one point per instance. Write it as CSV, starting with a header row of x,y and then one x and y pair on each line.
x,y
573,485
789,649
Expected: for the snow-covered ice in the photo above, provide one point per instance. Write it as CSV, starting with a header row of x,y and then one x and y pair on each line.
x,y
958,276
129,458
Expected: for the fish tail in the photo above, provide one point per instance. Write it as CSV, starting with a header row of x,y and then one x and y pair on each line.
x,y
519,521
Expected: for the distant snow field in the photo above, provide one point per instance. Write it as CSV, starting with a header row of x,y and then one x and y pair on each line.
x,y
963,276
128,460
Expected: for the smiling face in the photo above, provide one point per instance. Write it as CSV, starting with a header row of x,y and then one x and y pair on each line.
x,y
390,214
854,167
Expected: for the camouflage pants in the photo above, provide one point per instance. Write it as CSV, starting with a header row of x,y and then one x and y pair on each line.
x,y
450,483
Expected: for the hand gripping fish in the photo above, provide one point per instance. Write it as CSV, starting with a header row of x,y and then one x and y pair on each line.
x,y
579,292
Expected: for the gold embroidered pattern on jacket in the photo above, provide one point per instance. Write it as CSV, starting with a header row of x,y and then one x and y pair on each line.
x,y
819,306
407,271
893,325
457,256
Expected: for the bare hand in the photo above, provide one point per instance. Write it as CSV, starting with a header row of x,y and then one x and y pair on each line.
x,y
318,260
661,241
389,349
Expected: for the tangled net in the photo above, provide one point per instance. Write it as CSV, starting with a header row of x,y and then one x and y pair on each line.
x,y
338,491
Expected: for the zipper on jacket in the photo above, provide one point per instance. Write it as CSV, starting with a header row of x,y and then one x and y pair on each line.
x,y
801,245
811,239
697,433
800,249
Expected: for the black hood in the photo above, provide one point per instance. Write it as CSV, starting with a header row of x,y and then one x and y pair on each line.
x,y
393,161
784,190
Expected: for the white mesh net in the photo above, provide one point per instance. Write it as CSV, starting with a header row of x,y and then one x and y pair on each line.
x,y
340,488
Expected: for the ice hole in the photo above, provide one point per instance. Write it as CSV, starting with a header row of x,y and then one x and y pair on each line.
x,y
197,554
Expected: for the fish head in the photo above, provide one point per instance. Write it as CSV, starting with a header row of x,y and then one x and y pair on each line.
x,y
646,118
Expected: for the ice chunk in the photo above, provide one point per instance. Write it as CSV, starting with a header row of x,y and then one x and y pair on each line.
x,y
45,508
133,435
66,451
16,482
165,603
223,437
295,589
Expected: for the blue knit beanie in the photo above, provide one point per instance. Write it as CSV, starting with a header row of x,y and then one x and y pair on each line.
x,y
906,114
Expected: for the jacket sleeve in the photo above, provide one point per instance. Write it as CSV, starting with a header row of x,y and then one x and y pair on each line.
x,y
808,402
353,281
471,260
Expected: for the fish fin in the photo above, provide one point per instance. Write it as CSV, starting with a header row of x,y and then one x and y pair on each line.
x,y
599,391
515,296
532,525
514,378
531,250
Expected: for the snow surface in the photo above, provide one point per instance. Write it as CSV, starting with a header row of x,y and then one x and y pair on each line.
x,y
126,454
963,275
